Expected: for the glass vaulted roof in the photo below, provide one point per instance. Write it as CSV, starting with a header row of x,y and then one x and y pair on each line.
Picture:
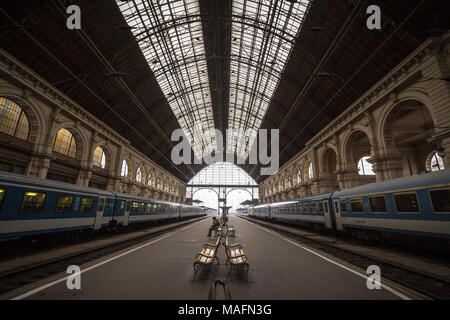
x,y
170,36
262,37
176,55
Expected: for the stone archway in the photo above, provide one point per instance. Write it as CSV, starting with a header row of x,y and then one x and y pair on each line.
x,y
328,178
357,146
405,131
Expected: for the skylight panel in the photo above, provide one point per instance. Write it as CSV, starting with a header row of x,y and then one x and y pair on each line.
x,y
175,52
260,49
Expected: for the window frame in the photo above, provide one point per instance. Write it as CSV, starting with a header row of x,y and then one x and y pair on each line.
x,y
429,196
71,205
362,204
101,204
407,212
385,203
42,207
5,190
81,204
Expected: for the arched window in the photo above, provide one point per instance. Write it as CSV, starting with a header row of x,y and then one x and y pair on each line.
x,y
149,180
308,170
299,177
139,175
99,158
65,143
124,172
364,167
435,162
158,184
13,121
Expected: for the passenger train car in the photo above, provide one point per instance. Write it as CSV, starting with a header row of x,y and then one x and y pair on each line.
x,y
415,205
31,206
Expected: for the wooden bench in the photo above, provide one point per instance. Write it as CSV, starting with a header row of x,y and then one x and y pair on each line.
x,y
206,256
231,231
236,257
218,231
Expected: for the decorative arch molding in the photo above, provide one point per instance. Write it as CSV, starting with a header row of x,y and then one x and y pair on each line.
x,y
130,164
32,109
322,152
349,139
109,155
409,95
323,165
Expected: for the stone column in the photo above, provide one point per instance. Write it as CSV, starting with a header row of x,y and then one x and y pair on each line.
x,y
39,165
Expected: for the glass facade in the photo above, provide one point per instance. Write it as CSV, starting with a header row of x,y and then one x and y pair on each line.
x,y
65,143
13,120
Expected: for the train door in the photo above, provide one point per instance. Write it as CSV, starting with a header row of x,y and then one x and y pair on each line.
x,y
337,214
99,215
326,211
127,212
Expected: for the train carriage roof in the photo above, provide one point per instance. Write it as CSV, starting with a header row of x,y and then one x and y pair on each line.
x,y
435,179
33,182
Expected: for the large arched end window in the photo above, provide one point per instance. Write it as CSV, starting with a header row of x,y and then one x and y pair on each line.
x,y
99,158
13,121
124,171
139,175
65,143
435,162
364,167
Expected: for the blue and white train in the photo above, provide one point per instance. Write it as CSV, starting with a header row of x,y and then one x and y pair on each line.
x,y
32,206
415,205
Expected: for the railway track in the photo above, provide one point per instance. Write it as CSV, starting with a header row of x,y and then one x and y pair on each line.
x,y
35,272
429,286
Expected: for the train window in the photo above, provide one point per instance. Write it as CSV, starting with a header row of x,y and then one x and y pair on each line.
x,y
63,204
343,205
101,204
149,207
406,202
313,207
122,204
142,207
320,207
441,200
134,207
2,196
32,202
378,204
306,207
106,203
86,205
325,205
300,208
357,205
128,206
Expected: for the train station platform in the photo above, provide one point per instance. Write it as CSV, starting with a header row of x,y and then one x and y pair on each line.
x,y
161,268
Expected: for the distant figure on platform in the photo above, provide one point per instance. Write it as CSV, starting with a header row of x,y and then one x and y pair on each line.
x,y
214,226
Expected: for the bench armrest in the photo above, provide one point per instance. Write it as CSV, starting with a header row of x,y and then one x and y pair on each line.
x,y
203,255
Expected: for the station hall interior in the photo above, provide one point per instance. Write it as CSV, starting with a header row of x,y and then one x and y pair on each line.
x,y
316,133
